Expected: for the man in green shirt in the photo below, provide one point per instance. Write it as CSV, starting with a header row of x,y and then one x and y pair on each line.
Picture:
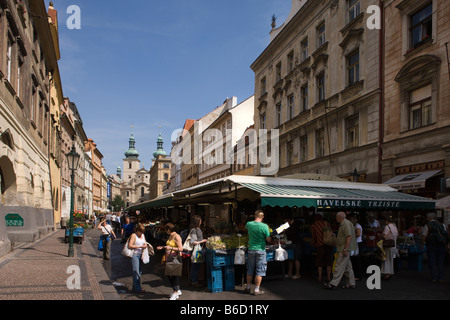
x,y
346,243
258,234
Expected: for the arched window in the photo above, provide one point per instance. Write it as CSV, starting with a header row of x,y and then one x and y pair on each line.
x,y
142,191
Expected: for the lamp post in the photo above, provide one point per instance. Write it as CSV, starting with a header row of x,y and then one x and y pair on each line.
x,y
72,158
355,175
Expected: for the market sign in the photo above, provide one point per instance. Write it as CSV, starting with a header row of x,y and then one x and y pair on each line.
x,y
13,220
371,204
346,203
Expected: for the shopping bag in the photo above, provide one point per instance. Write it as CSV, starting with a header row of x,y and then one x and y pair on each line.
x,y
174,265
126,251
187,244
100,244
329,238
280,254
145,256
197,254
239,257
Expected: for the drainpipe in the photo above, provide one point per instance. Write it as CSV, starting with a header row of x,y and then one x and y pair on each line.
x,y
381,84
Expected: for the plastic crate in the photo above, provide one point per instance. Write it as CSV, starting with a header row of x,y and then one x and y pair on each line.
x,y
215,279
219,260
228,282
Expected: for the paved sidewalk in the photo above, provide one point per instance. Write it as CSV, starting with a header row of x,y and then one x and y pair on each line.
x,y
39,271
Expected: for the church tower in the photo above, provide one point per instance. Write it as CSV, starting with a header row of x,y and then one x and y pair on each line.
x,y
131,163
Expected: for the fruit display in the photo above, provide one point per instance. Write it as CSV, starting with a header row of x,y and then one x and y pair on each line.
x,y
226,242
215,243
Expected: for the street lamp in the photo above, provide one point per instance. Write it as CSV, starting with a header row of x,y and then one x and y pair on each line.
x,y
355,175
72,158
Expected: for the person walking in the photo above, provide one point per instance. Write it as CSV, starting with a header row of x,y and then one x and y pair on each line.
x,y
390,232
324,256
137,243
258,234
345,243
173,245
357,257
293,234
107,231
436,238
127,229
196,238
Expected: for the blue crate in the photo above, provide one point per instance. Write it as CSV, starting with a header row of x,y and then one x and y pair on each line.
x,y
229,282
219,260
215,279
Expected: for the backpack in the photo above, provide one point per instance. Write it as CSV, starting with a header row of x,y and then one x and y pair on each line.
x,y
437,235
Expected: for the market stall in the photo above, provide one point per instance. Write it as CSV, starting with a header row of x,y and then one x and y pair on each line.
x,y
227,204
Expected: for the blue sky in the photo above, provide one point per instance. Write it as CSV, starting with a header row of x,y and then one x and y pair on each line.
x,y
157,63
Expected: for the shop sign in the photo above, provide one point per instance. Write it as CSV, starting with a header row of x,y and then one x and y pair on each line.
x,y
13,220
369,204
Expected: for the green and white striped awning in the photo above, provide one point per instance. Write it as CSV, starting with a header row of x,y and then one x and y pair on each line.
x,y
288,192
323,198
162,201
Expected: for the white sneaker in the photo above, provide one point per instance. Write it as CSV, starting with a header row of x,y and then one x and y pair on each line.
x,y
179,292
174,296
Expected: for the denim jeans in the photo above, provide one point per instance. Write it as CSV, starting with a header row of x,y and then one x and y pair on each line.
x,y
256,263
436,261
137,271
195,268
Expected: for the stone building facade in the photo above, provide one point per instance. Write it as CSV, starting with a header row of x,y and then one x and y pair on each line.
x,y
27,63
416,136
318,84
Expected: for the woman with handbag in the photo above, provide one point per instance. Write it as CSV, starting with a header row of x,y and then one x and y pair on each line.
x,y
106,239
137,243
173,247
195,238
389,236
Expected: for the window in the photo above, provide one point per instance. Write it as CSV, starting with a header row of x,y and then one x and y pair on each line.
x,y
263,86
166,177
33,103
262,121
278,114
290,107
142,191
304,97
304,46
289,153
321,87
352,125
320,143
421,26
304,148
278,72
19,66
290,59
321,35
420,107
354,9
8,60
353,68
129,165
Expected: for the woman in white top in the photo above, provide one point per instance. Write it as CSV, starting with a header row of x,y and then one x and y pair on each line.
x,y
390,232
107,231
137,243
